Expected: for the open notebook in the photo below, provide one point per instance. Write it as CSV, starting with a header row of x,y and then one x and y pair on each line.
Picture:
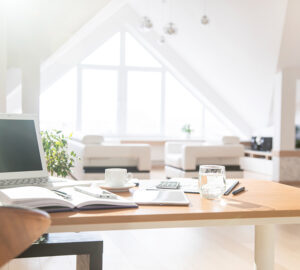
x,y
39,197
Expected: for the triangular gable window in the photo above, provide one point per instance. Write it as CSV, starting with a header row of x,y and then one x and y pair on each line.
x,y
137,55
123,90
107,54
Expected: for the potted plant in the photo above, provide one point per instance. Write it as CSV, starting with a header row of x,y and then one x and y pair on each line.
x,y
58,159
187,130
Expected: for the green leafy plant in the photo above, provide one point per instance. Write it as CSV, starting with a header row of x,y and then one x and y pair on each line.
x,y
187,129
59,160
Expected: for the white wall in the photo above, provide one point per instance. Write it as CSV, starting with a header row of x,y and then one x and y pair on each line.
x,y
284,109
237,53
290,45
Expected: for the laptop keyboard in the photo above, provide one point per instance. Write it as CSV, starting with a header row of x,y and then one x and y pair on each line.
x,y
40,181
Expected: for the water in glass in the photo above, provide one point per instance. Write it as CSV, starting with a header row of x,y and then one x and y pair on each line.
x,y
212,183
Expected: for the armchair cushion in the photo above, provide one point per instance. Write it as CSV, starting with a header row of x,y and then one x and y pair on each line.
x,y
188,156
193,152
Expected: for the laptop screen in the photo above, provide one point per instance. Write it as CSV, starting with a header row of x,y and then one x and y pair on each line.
x,y
19,149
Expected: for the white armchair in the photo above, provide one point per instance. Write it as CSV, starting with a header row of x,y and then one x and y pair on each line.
x,y
182,159
96,155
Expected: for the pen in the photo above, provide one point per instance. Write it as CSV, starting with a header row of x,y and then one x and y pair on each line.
x,y
227,192
107,195
102,194
238,191
63,194
191,191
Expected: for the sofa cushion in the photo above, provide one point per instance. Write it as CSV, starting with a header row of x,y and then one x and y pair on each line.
x,y
197,151
87,138
110,162
218,161
113,154
230,140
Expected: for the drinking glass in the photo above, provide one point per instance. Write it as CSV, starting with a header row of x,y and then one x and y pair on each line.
x,y
212,183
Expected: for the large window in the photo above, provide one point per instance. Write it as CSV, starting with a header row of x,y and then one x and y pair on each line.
x,y
99,101
58,103
121,89
181,108
143,103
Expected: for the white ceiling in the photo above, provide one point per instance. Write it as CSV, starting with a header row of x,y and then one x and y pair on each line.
x,y
39,27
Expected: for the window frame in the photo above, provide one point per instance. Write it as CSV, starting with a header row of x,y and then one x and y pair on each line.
x,y
122,93
122,70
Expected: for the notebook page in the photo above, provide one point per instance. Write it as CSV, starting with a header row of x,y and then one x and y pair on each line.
x,y
32,196
81,200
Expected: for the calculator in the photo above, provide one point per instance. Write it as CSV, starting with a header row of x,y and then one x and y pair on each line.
x,y
169,185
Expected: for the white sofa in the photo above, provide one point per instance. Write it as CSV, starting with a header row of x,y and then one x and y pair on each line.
x,y
182,159
96,155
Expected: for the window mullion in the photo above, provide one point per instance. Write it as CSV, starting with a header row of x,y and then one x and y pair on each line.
x,y
163,103
122,101
79,98
122,89
203,122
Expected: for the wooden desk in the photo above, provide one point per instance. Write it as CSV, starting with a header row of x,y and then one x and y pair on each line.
x,y
264,204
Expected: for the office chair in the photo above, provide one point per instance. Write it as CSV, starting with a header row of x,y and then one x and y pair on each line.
x,y
19,228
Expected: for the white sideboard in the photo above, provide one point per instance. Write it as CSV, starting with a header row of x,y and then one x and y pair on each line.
x,y
259,162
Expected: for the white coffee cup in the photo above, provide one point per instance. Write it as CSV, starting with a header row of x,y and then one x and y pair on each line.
x,y
117,177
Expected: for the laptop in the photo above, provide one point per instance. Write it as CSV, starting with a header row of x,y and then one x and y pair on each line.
x,y
22,159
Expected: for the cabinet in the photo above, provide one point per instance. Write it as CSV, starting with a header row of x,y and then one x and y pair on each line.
x,y
258,162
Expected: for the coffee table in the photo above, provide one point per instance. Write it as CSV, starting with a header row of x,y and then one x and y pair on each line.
x,y
263,205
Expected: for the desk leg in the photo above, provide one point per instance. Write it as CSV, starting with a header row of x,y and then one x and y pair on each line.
x,y
89,261
83,262
264,247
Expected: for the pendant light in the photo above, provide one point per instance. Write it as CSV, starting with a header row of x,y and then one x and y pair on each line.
x,y
204,19
170,29
162,40
146,23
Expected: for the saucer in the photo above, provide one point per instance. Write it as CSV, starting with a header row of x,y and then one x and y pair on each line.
x,y
124,188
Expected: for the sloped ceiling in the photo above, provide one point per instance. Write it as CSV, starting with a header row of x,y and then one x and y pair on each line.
x,y
236,53
39,27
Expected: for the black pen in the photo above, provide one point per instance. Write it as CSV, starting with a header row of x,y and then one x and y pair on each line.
x,y
238,191
231,188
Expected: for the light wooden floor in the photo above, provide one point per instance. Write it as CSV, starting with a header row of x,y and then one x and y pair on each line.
x,y
226,248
